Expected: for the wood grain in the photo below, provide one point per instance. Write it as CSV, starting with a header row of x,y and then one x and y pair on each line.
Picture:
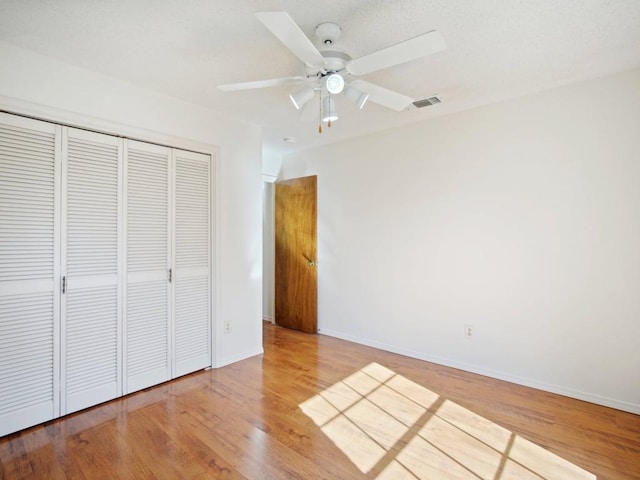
x,y
244,421
296,291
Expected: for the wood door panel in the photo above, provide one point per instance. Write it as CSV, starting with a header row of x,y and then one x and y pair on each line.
x,y
296,297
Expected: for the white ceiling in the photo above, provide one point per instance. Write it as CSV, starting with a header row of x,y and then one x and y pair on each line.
x,y
496,49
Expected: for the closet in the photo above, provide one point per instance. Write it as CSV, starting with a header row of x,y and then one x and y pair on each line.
x,y
105,268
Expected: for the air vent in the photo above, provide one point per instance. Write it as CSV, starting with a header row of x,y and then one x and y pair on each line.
x,y
426,102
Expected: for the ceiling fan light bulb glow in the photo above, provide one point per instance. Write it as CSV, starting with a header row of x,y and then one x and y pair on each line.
x,y
301,97
334,83
356,96
329,113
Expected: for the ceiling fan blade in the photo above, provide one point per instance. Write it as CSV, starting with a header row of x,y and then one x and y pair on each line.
x,y
417,47
274,82
288,32
386,98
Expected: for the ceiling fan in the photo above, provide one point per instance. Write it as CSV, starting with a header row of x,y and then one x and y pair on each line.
x,y
331,72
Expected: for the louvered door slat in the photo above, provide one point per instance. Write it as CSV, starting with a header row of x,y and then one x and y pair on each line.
x,y
91,320
29,301
147,350
192,261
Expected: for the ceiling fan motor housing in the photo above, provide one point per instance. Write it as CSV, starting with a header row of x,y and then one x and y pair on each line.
x,y
335,61
328,33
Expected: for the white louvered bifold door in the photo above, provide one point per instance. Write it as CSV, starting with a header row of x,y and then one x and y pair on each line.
x,y
192,285
91,313
29,272
147,358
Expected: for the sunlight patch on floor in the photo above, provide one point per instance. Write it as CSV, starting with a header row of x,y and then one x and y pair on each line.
x,y
393,428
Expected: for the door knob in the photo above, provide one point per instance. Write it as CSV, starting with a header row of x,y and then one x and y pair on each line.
x,y
310,262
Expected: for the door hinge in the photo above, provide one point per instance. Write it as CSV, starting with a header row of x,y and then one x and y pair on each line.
x,y
170,274
64,284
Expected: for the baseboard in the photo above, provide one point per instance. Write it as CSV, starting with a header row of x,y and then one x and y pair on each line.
x,y
527,382
239,357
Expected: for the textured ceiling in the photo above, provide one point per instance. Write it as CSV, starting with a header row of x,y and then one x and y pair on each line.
x,y
496,49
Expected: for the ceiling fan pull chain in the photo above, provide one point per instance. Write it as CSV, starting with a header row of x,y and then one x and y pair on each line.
x,y
320,112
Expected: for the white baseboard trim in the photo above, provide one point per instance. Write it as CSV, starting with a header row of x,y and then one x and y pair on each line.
x,y
237,358
527,382
268,319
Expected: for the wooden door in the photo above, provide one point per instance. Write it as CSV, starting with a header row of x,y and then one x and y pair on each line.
x,y
296,291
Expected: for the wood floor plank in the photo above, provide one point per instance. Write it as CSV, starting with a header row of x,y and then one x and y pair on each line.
x,y
263,418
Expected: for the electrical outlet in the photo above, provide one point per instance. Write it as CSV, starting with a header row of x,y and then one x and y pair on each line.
x,y
227,327
468,331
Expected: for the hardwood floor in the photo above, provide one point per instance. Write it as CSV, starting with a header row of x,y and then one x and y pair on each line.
x,y
319,407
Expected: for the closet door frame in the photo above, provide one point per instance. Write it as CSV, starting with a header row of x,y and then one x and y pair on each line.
x,y
60,121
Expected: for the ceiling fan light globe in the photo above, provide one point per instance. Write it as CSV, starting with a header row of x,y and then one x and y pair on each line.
x,y
334,83
355,96
301,97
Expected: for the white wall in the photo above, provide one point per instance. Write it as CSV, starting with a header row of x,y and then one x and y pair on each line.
x,y
521,219
34,83
271,166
